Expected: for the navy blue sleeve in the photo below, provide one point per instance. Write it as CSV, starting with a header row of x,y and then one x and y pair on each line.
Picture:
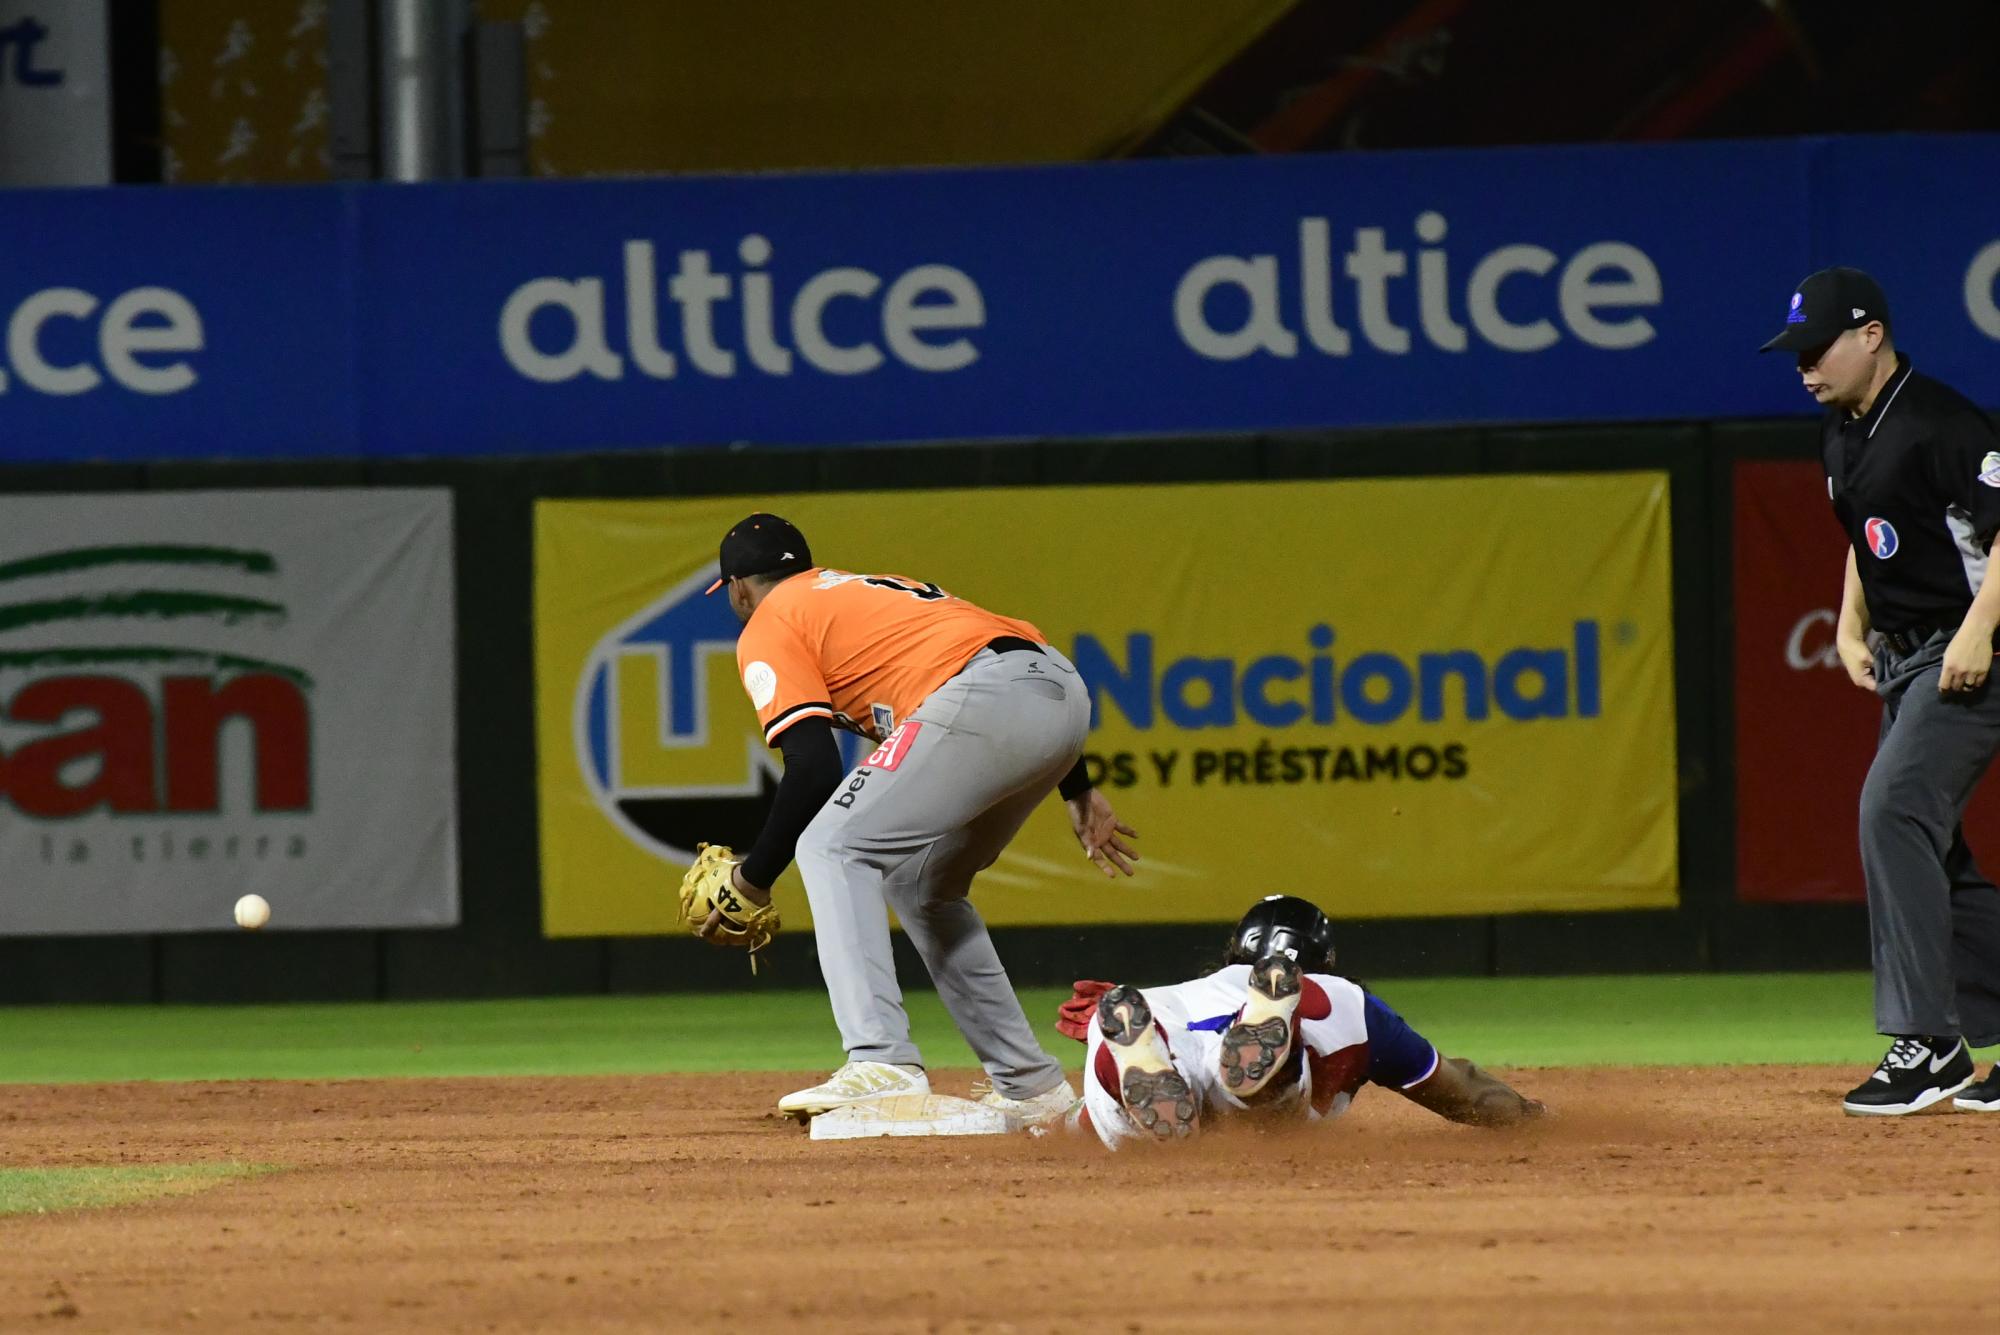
x,y
1398,1056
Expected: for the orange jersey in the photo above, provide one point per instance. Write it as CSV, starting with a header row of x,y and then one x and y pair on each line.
x,y
861,650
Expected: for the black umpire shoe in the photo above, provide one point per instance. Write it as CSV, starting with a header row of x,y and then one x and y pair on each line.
x,y
1915,1073
1982,1097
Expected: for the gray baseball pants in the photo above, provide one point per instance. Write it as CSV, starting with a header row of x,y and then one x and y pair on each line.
x,y
993,742
1933,919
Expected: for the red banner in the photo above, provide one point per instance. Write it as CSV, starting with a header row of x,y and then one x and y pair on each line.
x,y
1804,733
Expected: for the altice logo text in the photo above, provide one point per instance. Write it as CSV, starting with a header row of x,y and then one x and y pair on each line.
x,y
923,317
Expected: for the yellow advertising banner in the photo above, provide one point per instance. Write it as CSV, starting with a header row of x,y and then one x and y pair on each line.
x,y
624,86
1400,698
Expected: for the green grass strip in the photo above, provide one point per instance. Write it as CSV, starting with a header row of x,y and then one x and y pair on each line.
x,y
42,1190
1674,1020
1652,1020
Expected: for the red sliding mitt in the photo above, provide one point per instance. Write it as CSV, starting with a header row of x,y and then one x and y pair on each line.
x,y
1073,1018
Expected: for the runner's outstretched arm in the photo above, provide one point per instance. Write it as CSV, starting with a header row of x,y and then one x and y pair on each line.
x,y
1462,1092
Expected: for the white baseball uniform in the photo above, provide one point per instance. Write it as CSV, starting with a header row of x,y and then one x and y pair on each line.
x,y
1349,1038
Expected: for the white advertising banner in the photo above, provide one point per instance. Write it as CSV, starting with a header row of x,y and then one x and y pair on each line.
x,y
55,93
216,693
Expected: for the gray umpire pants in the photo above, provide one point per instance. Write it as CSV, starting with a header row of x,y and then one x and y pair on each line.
x,y
993,743
1933,919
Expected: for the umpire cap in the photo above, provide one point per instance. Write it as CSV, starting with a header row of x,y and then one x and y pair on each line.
x,y
1284,924
1827,305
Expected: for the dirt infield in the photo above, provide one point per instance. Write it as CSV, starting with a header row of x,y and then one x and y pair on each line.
x,y
1735,1199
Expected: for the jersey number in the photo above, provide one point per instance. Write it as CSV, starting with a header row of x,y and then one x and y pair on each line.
x,y
926,591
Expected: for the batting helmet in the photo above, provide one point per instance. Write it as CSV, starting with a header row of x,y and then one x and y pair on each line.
x,y
1284,924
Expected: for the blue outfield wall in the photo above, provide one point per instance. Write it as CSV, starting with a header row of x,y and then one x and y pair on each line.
x,y
1134,298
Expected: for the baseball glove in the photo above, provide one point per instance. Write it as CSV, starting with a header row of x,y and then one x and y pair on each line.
x,y
707,889
1073,1016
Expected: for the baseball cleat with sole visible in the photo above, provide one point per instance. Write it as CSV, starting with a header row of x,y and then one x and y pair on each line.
x,y
1022,1114
856,1082
1256,1045
1914,1074
1982,1097
1154,1095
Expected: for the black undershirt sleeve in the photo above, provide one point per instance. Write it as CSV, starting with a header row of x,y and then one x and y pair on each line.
x,y
812,772
1075,783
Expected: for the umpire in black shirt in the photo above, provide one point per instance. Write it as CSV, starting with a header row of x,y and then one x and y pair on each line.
x,y
1913,471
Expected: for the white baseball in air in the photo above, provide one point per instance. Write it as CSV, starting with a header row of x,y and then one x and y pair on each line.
x,y
252,912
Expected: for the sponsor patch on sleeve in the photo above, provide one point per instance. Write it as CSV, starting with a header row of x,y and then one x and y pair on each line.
x,y
761,680
1989,468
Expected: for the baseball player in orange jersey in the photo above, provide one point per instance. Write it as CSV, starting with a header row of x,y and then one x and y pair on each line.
x,y
977,719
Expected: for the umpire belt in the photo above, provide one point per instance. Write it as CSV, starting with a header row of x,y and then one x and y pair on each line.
x,y
1907,642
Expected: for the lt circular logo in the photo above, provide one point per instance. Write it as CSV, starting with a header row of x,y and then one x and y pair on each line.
x,y
1881,538
667,750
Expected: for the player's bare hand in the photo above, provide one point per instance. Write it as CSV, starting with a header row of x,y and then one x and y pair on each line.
x,y
1858,659
1968,660
1102,834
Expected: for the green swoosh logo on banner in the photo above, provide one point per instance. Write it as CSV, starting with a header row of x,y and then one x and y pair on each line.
x,y
160,604
69,658
156,603
88,558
